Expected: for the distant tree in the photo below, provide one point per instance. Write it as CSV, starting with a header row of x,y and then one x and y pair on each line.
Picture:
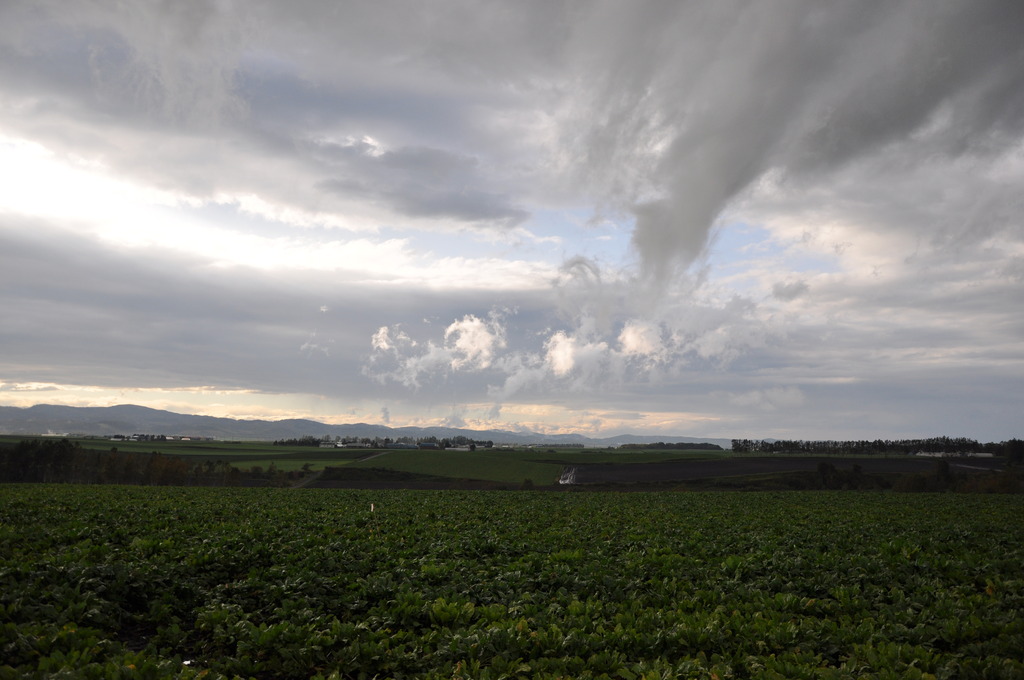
x,y
1015,450
830,477
308,440
674,446
943,475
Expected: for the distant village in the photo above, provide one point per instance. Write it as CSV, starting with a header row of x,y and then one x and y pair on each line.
x,y
157,438
457,443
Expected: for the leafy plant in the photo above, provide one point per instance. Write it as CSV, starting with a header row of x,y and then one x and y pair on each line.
x,y
170,582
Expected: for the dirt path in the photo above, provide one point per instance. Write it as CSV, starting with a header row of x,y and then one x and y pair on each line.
x,y
314,479
375,455
308,480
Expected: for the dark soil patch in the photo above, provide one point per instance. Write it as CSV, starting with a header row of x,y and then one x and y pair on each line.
x,y
381,478
740,473
690,470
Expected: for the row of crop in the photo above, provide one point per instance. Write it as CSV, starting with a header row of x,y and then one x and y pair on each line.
x,y
420,584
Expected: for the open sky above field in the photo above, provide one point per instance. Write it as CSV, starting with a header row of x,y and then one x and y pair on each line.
x,y
711,218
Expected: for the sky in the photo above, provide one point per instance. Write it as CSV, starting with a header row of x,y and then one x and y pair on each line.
x,y
710,218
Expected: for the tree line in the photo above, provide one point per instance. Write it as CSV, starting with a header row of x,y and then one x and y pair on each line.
x,y
672,446
383,443
63,461
1012,449
942,478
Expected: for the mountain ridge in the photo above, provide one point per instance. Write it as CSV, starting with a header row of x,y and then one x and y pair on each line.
x,y
42,419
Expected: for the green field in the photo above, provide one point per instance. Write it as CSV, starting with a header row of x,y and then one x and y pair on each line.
x,y
499,467
541,466
109,581
585,456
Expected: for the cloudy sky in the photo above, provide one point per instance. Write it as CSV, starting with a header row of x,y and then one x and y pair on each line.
x,y
712,218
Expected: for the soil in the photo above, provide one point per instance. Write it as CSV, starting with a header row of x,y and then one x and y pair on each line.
x,y
640,476
380,478
689,470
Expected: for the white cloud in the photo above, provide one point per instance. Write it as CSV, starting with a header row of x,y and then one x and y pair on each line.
x,y
468,344
561,354
473,342
641,338
381,339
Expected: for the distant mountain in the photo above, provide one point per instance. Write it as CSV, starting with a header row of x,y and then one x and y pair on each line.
x,y
129,419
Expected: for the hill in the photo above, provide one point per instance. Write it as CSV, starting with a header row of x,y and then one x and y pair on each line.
x,y
45,419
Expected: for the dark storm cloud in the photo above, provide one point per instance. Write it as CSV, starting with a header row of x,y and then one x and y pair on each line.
x,y
99,316
701,100
790,290
416,181
666,111
919,62
102,72
96,315
280,96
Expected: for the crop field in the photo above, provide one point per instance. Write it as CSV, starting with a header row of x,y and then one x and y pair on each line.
x,y
109,582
